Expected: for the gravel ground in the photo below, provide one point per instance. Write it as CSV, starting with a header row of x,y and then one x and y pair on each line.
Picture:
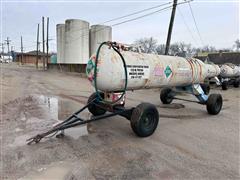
x,y
188,143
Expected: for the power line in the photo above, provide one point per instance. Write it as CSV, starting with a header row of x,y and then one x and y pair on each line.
x,y
121,17
124,16
189,30
195,23
137,12
145,15
133,19
123,22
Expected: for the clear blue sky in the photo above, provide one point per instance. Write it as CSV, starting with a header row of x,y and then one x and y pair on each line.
x,y
218,22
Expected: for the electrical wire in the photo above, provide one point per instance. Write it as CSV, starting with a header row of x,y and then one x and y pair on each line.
x,y
133,19
195,23
124,16
121,17
137,12
188,28
123,22
145,15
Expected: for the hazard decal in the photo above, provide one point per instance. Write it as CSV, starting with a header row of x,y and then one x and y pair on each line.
x,y
168,71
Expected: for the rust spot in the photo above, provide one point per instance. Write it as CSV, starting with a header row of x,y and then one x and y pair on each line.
x,y
146,81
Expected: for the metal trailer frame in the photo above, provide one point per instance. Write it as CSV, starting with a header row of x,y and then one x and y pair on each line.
x,y
226,81
137,118
75,120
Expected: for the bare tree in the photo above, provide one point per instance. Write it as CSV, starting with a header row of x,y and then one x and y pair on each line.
x,y
237,44
161,49
174,49
148,45
208,48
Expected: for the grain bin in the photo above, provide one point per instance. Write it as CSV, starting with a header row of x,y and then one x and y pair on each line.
x,y
76,41
99,34
60,42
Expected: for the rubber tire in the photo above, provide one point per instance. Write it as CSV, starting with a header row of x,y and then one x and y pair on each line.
x,y
138,117
165,96
224,85
214,104
205,88
236,83
92,108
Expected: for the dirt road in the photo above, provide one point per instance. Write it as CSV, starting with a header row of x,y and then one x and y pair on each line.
x,y
188,143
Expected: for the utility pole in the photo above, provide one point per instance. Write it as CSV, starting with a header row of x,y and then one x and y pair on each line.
x,y
37,46
2,48
2,44
170,27
21,50
43,45
47,41
8,42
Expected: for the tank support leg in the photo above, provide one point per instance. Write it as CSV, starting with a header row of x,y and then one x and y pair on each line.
x,y
195,90
200,95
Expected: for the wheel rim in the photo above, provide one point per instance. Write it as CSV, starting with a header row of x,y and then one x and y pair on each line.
x,y
149,121
169,98
218,104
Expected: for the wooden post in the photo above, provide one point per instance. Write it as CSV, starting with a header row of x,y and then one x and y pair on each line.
x,y
170,27
47,41
37,46
21,50
43,43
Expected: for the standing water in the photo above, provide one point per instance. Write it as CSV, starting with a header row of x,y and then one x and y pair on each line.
x,y
61,108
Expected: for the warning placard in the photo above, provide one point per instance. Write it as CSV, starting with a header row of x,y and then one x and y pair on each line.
x,y
138,71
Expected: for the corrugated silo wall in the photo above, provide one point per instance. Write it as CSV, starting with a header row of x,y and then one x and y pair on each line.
x,y
98,34
76,41
60,28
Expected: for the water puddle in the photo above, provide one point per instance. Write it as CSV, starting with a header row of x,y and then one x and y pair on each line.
x,y
59,108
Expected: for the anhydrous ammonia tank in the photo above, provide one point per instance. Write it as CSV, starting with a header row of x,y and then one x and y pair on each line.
x,y
76,41
60,42
230,70
146,70
99,34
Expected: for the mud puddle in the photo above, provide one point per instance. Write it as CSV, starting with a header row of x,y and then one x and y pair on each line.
x,y
171,106
59,109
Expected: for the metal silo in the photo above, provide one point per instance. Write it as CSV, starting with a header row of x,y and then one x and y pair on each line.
x,y
60,42
98,34
76,41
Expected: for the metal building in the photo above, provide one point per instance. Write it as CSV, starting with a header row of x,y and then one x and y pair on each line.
x,y
98,34
76,41
60,42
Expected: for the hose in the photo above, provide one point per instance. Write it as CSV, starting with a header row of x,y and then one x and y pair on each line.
x,y
113,45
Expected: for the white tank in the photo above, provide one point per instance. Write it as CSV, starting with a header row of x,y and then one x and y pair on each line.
x,y
76,41
229,70
60,42
99,34
147,70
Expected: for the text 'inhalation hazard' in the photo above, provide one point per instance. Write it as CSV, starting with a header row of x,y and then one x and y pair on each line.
x,y
138,71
